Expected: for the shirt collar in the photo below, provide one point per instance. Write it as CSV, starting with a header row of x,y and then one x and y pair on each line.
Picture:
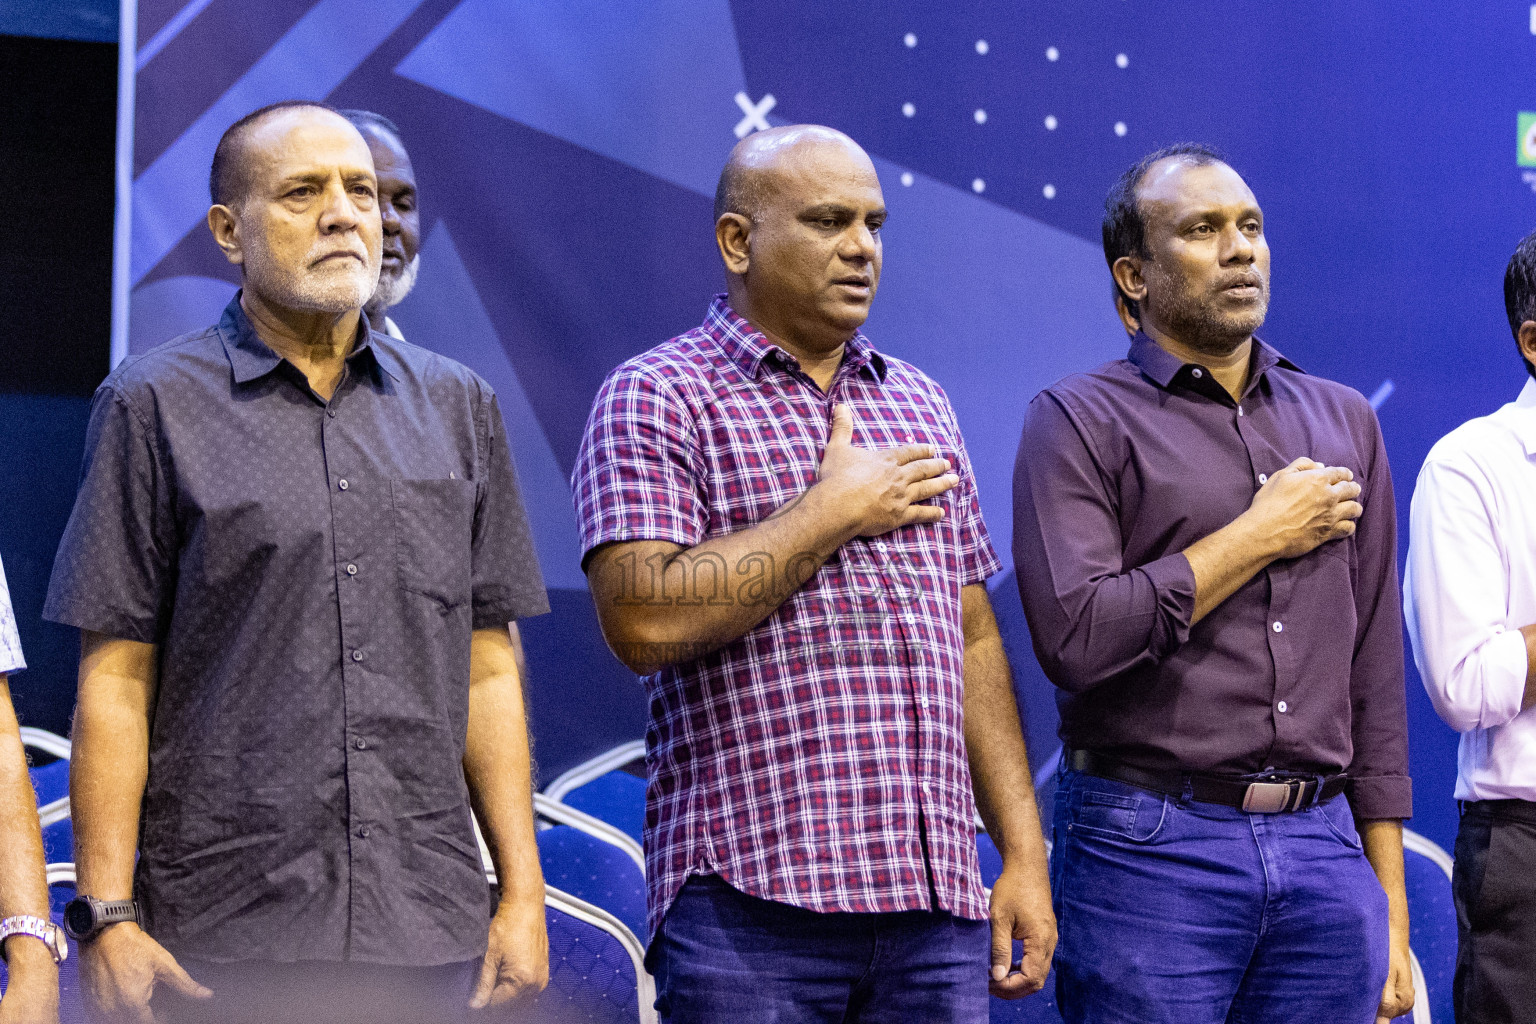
x,y
251,358
1163,366
1525,417
748,348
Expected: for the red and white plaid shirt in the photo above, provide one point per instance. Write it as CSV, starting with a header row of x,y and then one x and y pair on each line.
x,y
809,761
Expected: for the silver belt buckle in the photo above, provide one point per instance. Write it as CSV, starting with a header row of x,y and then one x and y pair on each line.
x,y
1270,797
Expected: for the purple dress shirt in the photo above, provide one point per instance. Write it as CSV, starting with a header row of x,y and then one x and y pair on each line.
x,y
1121,469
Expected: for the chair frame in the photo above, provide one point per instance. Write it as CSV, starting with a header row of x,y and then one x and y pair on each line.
x,y
57,746
602,764
1426,847
600,918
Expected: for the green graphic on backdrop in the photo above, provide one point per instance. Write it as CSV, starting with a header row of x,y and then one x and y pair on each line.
x,y
1526,153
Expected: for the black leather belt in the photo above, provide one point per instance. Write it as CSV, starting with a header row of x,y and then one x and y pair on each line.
x,y
1270,793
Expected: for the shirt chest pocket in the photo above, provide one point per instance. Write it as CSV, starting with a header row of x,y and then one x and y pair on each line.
x,y
434,531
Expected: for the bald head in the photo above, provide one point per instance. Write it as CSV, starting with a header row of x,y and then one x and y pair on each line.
x,y
756,162
229,177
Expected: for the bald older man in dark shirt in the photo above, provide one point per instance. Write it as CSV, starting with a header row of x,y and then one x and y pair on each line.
x,y
294,555
1205,540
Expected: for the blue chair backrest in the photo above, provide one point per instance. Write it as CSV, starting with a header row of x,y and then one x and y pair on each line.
x,y
591,976
51,781
1431,921
59,841
595,871
616,797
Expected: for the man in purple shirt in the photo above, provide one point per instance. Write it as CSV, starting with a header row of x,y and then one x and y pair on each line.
x,y
1205,542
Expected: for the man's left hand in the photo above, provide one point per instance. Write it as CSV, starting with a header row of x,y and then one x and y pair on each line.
x,y
1021,909
1397,997
516,956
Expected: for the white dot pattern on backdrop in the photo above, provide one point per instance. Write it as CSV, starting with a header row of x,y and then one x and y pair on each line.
x,y
1050,122
1049,191
908,109
982,47
981,117
1120,128
910,40
1121,60
978,185
10,641
906,178
1051,53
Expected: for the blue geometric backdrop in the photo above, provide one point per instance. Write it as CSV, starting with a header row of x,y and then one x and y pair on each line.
x,y
567,154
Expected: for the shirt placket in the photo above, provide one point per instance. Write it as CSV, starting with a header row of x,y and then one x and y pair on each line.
x,y
1264,459
352,493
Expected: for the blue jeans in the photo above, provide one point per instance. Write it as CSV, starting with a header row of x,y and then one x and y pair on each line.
x,y
1193,913
721,955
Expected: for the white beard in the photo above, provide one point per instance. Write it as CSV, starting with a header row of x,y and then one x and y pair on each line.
x,y
336,287
393,290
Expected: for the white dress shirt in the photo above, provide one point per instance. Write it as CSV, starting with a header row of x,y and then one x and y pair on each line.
x,y
1471,586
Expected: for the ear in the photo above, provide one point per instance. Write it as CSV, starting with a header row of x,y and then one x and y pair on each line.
x,y
226,232
733,233
1527,341
1127,273
1127,320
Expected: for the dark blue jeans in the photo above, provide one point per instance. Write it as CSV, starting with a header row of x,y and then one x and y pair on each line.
x,y
721,955
1192,913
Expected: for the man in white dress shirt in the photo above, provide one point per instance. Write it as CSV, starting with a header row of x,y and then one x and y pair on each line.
x,y
1470,592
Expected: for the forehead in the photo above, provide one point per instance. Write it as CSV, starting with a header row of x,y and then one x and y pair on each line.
x,y
824,171
304,141
389,157
1175,187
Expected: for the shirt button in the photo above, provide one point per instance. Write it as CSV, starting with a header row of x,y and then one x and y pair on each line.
x,y
1277,627
923,701
1239,410
351,569
1197,373
358,655
881,547
331,413
1283,707
1263,477
362,744
363,832
342,484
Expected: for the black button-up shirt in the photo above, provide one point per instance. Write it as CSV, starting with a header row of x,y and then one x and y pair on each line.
x,y
311,572
1119,471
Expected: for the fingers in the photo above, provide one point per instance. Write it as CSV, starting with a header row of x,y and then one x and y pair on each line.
x,y
921,469
842,426
1301,465
925,489
487,983
912,452
921,514
169,971
1002,945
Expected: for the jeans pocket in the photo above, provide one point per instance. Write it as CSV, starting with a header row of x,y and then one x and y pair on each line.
x,y
1340,820
1130,815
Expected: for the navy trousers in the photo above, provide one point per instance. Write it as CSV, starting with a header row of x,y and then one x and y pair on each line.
x,y
1177,912
721,955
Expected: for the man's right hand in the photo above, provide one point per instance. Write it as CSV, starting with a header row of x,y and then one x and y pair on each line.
x,y
879,490
119,970
1305,505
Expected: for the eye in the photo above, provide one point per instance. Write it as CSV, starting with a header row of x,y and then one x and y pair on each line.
x,y
1201,230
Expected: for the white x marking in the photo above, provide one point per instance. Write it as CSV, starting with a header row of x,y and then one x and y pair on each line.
x,y
757,114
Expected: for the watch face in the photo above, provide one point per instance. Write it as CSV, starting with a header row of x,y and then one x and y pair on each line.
x,y
78,917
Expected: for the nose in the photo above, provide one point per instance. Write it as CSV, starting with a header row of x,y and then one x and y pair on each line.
x,y
858,244
1236,246
391,217
339,212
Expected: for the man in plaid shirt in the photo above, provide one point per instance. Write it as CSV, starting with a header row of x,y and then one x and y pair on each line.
x,y
782,535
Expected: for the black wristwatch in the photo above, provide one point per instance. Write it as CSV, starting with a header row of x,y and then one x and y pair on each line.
x,y
84,916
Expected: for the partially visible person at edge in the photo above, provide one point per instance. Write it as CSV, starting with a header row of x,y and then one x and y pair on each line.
x,y
32,945
1470,595
400,213
294,553
820,716
1206,550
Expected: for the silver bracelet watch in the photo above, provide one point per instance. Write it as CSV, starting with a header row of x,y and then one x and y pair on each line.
x,y
40,928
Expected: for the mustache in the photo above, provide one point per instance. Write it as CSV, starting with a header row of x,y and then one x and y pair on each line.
x,y
1251,278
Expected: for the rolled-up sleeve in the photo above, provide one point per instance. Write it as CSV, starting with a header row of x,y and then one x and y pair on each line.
x,y
506,581
1379,786
1456,595
1091,617
639,473
115,570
